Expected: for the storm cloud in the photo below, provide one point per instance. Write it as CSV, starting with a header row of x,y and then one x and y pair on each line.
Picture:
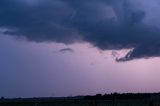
x,y
107,24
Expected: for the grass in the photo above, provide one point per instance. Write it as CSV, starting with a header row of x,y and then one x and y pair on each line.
x,y
82,103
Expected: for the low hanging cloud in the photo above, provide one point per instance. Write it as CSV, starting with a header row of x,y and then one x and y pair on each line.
x,y
65,50
107,24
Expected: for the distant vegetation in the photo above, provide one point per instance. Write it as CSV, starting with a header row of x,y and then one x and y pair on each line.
x,y
114,99
125,96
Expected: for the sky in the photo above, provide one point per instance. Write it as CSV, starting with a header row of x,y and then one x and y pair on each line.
x,y
55,48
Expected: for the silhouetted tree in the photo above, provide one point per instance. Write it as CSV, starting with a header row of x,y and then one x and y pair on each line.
x,y
151,103
2,98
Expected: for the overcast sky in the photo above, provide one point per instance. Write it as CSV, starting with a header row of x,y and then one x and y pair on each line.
x,y
78,47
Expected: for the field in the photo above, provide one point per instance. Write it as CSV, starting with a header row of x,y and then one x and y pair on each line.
x,y
82,103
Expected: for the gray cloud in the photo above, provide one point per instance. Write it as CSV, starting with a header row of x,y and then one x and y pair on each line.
x,y
64,50
107,24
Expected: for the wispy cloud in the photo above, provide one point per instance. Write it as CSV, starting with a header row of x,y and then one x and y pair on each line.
x,y
64,50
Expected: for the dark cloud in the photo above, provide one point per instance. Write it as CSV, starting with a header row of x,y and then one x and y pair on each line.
x,y
64,50
107,24
42,22
143,51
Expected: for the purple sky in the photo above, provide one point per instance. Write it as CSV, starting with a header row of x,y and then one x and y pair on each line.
x,y
31,69
78,47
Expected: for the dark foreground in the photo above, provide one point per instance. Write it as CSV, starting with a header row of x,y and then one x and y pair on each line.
x,y
97,100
